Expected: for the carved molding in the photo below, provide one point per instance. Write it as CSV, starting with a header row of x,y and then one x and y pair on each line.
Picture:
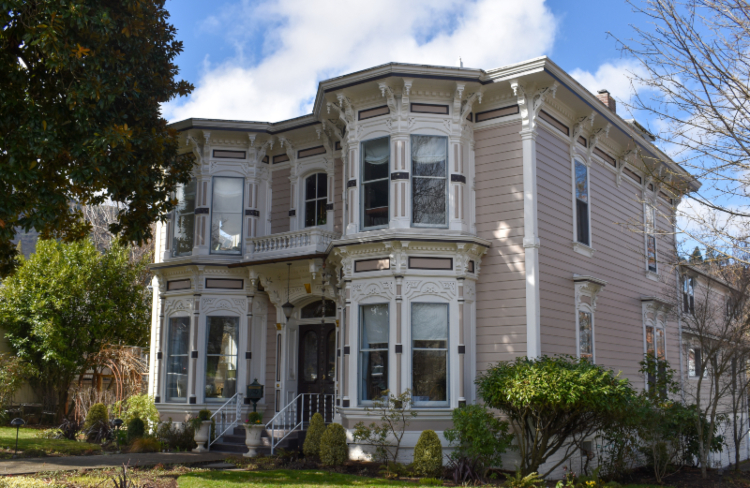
x,y
587,286
529,104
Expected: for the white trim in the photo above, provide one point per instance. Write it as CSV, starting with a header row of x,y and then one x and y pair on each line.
x,y
583,249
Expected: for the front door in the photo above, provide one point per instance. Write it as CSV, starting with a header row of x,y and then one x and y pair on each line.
x,y
317,362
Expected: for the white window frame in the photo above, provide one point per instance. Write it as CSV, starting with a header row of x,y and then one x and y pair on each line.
x,y
317,199
650,233
656,326
242,220
360,368
207,331
175,215
688,289
585,307
362,182
448,382
166,397
446,178
581,247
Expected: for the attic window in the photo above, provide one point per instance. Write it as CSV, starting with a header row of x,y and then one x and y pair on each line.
x,y
632,175
582,141
428,108
373,112
280,158
313,151
605,157
497,113
554,122
222,154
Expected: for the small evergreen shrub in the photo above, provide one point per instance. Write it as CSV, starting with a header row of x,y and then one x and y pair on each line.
x,y
145,444
311,447
97,413
136,429
177,437
430,482
428,455
333,448
141,406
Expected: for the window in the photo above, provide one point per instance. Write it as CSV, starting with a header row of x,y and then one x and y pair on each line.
x,y
375,181
429,181
316,194
373,351
585,335
688,295
315,310
651,238
582,203
429,336
221,357
178,339
655,341
695,363
184,220
226,218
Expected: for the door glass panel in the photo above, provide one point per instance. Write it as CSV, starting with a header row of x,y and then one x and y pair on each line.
x,y
310,357
221,357
330,356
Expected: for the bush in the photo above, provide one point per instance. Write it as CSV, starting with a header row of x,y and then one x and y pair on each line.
x,y
142,407
563,398
145,444
176,436
395,412
480,439
333,448
428,454
311,447
27,482
136,429
430,482
97,413
518,480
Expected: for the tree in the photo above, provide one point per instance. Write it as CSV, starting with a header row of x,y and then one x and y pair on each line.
x,y
67,303
80,124
553,404
692,59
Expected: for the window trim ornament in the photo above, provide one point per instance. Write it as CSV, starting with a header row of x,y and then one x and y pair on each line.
x,y
587,286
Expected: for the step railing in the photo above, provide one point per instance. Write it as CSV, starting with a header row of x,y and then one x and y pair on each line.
x,y
295,416
228,416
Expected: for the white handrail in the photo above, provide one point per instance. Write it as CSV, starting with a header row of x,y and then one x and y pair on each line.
x,y
287,419
224,421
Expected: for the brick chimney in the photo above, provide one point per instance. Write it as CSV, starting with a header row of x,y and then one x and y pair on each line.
x,y
606,99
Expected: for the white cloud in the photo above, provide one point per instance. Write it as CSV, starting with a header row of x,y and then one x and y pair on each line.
x,y
306,41
614,77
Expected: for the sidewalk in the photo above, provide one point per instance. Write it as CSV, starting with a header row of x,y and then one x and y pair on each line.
x,y
69,463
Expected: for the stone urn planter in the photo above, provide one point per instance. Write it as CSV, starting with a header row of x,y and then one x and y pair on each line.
x,y
201,436
253,441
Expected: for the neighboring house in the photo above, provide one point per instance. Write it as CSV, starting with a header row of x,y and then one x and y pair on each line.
x,y
450,218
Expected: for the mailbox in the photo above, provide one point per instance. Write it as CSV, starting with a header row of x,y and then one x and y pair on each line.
x,y
254,393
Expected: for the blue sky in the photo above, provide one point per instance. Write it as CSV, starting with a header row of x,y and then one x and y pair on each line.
x,y
237,51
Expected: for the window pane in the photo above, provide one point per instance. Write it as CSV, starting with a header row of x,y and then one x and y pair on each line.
x,y
184,220
428,201
373,351
221,357
177,358
692,371
321,212
226,218
322,185
376,155
582,184
310,359
330,356
310,187
660,344
586,346
429,352
310,213
376,204
582,222
650,341
651,240
428,155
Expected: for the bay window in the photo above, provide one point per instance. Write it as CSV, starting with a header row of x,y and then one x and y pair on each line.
x,y
184,220
226,215
221,357
316,196
373,351
429,180
429,335
376,156
582,231
178,340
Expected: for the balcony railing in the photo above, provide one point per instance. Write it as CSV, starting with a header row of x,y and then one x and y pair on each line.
x,y
299,242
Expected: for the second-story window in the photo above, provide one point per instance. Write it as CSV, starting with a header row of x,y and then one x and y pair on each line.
x,y
375,181
429,181
688,295
184,220
582,203
655,341
651,238
226,215
316,195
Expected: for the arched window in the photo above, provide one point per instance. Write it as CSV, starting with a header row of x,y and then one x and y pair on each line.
x,y
316,195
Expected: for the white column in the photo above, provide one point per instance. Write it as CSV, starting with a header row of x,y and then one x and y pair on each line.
x,y
531,244
400,211
352,190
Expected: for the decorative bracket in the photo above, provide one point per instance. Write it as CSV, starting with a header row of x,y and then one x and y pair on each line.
x,y
596,137
531,105
587,286
622,160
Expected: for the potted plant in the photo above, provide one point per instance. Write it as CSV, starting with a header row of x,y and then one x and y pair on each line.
x,y
253,431
201,425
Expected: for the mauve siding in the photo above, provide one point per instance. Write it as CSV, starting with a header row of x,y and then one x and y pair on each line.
x,y
619,260
280,201
338,204
501,288
270,390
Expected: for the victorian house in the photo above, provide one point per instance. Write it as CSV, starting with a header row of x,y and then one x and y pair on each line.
x,y
421,224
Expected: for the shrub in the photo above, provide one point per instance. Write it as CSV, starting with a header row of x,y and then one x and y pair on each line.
x,y
176,436
518,480
430,482
136,429
480,439
142,407
428,454
97,413
311,447
395,413
145,444
333,448
551,402
27,482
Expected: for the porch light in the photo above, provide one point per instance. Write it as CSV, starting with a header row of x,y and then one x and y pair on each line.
x,y
288,308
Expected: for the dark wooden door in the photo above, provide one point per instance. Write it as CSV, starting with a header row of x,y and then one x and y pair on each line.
x,y
316,372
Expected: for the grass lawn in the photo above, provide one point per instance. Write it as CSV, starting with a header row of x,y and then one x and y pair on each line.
x,y
281,477
33,445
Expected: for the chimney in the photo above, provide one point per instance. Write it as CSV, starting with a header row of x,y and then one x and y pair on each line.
x,y
606,99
